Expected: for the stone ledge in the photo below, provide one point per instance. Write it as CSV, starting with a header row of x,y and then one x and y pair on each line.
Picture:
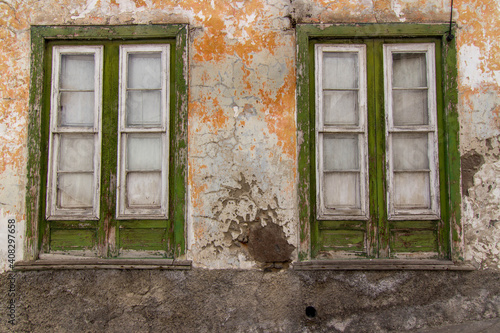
x,y
58,264
381,265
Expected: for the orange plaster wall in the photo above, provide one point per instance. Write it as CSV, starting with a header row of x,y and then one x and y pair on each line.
x,y
478,44
14,74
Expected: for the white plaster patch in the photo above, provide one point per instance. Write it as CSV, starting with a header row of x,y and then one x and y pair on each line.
x,y
397,8
470,62
497,77
340,325
483,117
200,16
86,10
236,111
237,29
130,6
244,263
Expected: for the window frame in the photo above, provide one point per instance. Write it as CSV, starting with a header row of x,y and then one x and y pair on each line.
x,y
431,128
122,212
323,212
37,228
307,34
56,131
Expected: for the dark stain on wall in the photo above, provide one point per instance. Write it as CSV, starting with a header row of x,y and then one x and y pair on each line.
x,y
268,244
471,163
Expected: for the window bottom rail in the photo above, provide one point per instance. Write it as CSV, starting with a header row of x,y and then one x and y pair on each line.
x,y
62,264
382,265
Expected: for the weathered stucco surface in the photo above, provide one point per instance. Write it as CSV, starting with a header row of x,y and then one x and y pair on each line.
x,y
242,129
242,181
248,300
478,47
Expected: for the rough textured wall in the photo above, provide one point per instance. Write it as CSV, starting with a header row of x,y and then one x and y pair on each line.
x,y
242,129
242,179
14,74
248,301
478,47
242,134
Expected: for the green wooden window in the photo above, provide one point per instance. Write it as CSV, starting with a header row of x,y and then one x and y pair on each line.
x,y
378,154
107,143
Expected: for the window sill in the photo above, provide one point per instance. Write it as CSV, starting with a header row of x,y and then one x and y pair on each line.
x,y
381,265
61,264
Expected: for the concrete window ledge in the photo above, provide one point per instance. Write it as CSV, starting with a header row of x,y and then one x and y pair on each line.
x,y
58,264
381,265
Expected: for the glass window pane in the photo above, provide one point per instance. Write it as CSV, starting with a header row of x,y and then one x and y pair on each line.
x,y
76,152
144,108
143,189
340,107
144,70
76,109
341,190
340,152
410,151
411,190
75,190
77,72
409,107
409,70
144,152
340,70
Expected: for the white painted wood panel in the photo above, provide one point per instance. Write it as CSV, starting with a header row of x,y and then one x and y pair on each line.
x,y
341,132
411,131
73,178
143,132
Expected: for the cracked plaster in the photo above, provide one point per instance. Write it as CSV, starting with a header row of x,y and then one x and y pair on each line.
x,y
242,101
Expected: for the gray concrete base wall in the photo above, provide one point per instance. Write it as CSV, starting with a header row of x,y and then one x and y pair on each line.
x,y
245,301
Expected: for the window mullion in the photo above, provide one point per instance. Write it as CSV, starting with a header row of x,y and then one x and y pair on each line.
x,y
378,193
107,228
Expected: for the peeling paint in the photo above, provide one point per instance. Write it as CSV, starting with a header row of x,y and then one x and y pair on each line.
x,y
242,129
482,229
479,89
